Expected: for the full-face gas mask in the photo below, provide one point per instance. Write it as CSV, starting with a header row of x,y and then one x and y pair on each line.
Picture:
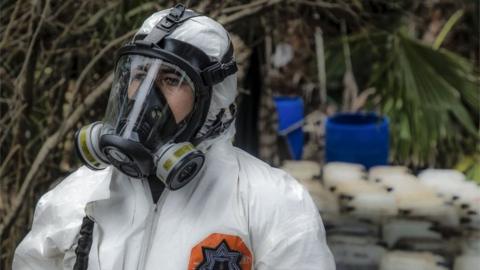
x,y
158,102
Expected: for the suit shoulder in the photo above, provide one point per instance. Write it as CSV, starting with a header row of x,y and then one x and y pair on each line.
x,y
73,193
260,179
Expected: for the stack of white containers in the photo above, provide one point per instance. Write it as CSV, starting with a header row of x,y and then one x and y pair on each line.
x,y
388,218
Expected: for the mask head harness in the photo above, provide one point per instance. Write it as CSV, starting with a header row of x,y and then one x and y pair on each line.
x,y
200,68
176,161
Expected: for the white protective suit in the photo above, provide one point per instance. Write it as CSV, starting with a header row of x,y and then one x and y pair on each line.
x,y
240,214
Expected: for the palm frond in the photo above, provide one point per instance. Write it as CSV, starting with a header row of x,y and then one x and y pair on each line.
x,y
433,91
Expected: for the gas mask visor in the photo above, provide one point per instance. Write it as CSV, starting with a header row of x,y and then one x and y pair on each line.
x,y
150,103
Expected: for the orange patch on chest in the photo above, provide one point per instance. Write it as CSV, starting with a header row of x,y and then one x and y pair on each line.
x,y
220,251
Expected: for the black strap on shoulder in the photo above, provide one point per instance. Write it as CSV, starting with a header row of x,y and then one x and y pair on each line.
x,y
169,23
84,244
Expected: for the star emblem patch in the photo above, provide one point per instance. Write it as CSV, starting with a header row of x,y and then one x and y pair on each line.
x,y
220,258
220,252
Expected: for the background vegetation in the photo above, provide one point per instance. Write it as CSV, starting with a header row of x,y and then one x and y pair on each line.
x,y
415,61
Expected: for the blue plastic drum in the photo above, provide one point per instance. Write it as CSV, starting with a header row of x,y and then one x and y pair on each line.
x,y
290,123
357,138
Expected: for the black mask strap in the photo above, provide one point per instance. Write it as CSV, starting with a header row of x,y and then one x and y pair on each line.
x,y
220,70
168,24
210,75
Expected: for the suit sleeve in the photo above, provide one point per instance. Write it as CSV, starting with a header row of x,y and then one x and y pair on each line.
x,y
288,230
49,243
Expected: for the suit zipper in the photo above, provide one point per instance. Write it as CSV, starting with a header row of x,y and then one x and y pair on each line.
x,y
152,221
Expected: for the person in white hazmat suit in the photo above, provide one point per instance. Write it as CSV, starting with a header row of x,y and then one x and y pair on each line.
x,y
178,194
